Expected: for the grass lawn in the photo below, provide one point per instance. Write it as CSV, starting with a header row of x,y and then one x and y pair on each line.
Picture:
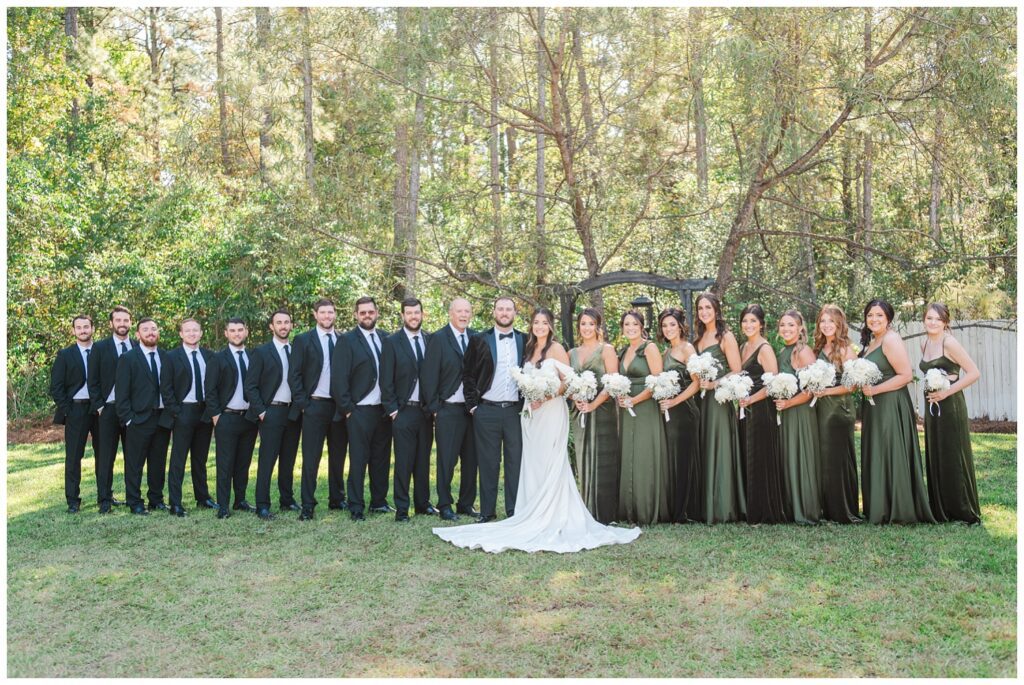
x,y
160,596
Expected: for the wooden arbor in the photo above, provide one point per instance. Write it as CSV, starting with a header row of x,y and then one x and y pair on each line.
x,y
568,294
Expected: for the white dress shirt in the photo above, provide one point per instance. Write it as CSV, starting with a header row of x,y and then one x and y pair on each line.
x,y
284,391
459,396
323,385
373,397
418,335
190,396
117,350
83,392
237,401
503,388
159,367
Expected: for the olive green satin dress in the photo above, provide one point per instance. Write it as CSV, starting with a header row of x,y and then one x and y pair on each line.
x,y
759,441
949,459
596,444
642,493
798,443
839,492
724,498
682,435
891,476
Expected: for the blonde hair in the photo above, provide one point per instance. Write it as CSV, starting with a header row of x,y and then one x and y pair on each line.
x,y
801,340
842,337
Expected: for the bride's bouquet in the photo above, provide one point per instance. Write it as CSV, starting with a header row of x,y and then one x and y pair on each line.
x,y
860,372
780,386
733,388
704,366
817,377
664,386
935,380
535,384
618,386
581,387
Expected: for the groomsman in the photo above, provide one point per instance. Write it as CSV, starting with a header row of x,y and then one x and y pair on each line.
x,y
141,409
279,421
412,425
355,385
309,378
226,407
442,391
102,373
71,395
493,399
184,394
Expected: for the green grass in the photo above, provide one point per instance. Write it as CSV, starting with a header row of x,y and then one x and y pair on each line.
x,y
159,596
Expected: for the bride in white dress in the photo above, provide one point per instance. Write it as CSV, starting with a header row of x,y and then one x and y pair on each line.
x,y
550,515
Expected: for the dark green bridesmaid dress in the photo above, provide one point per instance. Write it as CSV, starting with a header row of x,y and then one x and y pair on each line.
x,y
949,459
682,435
642,492
839,495
597,446
798,442
724,498
759,441
890,456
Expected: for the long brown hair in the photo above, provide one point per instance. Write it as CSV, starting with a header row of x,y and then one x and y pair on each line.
x,y
842,341
531,339
680,316
801,338
942,310
716,304
598,323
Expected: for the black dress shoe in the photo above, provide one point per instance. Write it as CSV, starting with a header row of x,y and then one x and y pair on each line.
x,y
73,508
484,519
291,507
178,511
402,516
223,513
264,514
105,508
243,506
338,506
383,509
429,510
140,510
449,515
306,515
159,506
207,503
468,512
117,503
358,516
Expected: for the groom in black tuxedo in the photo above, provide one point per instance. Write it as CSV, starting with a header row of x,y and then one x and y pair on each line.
x,y
492,397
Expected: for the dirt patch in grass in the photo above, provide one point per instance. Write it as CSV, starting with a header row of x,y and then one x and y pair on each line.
x,y
33,429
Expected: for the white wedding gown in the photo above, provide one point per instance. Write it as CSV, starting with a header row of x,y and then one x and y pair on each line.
x,y
550,515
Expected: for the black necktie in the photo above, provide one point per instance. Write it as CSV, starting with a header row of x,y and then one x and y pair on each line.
x,y
241,365
376,350
156,376
123,348
197,378
462,342
288,352
87,351
330,346
502,336
419,354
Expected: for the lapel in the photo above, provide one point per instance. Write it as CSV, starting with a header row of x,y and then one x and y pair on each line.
x,y
519,347
230,363
491,335
272,351
144,358
407,344
454,341
358,333
314,337
81,360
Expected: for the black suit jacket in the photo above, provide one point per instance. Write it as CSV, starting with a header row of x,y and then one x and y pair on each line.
x,y
67,376
441,374
305,365
353,369
398,369
481,356
221,381
103,370
136,392
263,379
178,379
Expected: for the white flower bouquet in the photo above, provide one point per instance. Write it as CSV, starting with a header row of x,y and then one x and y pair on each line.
x,y
535,384
860,372
733,388
935,380
817,377
663,386
780,386
704,366
618,386
581,387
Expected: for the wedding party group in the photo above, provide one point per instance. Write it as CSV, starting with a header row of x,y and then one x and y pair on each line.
x,y
708,431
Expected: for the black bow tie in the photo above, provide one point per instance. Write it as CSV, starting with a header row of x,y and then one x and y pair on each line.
x,y
502,336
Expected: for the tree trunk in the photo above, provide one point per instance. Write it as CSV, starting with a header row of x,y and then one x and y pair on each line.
x,y
153,50
541,241
808,247
222,97
868,208
71,31
307,98
267,120
400,201
936,182
493,148
581,76
418,136
700,124
849,200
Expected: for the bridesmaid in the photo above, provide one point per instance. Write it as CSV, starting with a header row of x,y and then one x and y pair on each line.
x,y
720,455
642,494
798,435
890,457
759,435
949,460
836,416
685,481
597,443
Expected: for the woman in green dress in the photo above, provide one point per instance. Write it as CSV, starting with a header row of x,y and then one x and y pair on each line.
x,y
948,458
759,434
798,434
836,417
597,442
682,431
642,494
720,456
891,476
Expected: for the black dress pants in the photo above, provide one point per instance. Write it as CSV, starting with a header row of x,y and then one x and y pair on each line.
x,y
145,443
236,438
189,437
279,442
413,431
79,424
369,437
453,427
498,434
317,425
110,434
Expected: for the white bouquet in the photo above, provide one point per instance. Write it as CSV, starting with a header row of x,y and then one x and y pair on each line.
x,y
860,372
780,386
664,386
704,366
817,377
733,388
934,381
581,387
535,384
618,386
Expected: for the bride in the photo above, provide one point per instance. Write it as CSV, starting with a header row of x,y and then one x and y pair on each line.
x,y
550,515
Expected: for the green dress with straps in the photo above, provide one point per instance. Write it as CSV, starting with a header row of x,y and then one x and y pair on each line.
x,y
798,442
682,435
890,456
839,492
724,498
949,459
642,493
596,446
759,441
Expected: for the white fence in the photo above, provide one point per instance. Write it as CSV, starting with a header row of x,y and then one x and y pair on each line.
x,y
993,347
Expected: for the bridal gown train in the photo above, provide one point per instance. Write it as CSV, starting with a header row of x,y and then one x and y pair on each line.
x,y
550,514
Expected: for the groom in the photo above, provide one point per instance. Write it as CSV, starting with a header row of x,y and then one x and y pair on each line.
x,y
492,398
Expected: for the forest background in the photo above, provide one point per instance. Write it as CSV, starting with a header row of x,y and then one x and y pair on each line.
x,y
224,162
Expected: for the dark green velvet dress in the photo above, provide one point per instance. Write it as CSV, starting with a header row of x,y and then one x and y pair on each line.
x,y
682,436
643,497
839,492
759,441
798,442
724,498
597,449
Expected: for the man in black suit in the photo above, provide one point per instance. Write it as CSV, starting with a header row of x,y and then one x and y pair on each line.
x,y
442,391
183,389
279,420
493,399
412,425
355,385
71,395
140,407
309,377
226,408
102,373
